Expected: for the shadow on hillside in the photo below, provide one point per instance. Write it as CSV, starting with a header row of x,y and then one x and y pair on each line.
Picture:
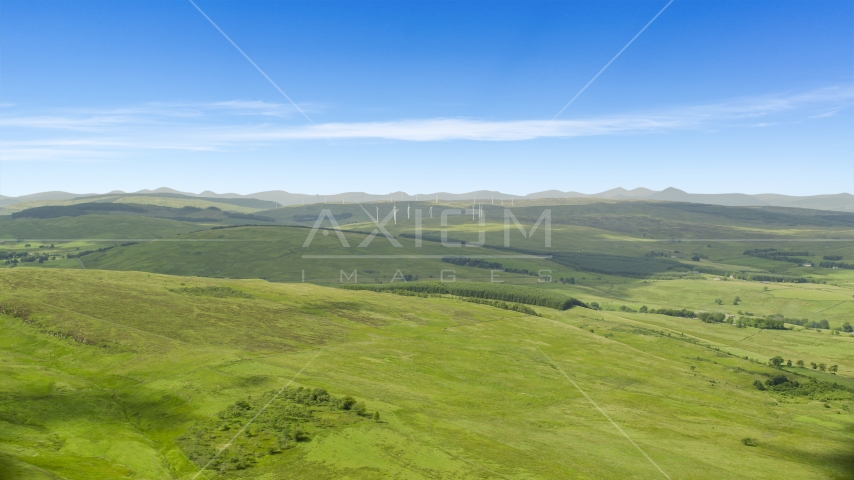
x,y
14,469
840,461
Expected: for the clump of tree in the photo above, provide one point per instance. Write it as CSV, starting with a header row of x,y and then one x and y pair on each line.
x,y
672,312
758,322
804,322
267,425
821,324
709,317
813,388
13,258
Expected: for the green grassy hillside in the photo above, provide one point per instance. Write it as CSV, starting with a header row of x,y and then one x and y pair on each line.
x,y
93,227
244,205
131,375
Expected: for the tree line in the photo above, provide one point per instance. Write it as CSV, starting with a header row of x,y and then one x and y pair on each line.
x,y
771,323
472,262
480,263
847,266
99,250
491,291
774,254
516,307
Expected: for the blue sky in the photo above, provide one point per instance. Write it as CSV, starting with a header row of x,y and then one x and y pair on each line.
x,y
715,96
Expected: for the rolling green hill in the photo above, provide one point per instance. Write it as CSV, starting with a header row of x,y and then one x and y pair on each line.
x,y
594,244
93,227
174,200
134,375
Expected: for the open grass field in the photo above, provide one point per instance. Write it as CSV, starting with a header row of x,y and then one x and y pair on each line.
x,y
140,347
108,371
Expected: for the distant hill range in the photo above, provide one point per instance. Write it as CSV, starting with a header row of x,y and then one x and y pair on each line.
x,y
843,202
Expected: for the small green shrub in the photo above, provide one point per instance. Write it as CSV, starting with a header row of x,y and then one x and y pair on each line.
x,y
211,291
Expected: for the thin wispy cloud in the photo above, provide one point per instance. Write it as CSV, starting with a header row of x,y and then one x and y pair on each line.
x,y
231,125
152,113
445,129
